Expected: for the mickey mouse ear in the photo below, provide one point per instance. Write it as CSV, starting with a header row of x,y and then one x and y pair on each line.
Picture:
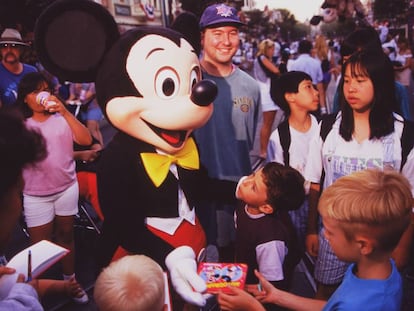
x,y
72,38
187,24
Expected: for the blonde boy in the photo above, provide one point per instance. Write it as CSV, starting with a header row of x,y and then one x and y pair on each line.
x,y
132,283
364,216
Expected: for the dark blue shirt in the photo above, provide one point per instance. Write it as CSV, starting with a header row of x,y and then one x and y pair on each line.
x,y
9,83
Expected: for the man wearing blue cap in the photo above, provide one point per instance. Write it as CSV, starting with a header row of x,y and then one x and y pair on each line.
x,y
227,139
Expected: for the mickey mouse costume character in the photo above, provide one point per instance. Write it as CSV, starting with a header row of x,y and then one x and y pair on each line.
x,y
148,84
333,10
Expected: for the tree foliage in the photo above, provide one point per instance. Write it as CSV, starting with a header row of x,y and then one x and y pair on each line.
x,y
395,10
338,28
286,26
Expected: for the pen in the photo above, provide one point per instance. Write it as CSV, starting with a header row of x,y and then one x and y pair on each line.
x,y
29,266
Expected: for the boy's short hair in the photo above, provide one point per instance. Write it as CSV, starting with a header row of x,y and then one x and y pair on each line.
x,y
285,186
133,282
305,47
286,83
375,202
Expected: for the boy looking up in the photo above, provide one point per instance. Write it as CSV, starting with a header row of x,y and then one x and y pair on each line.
x,y
263,232
364,215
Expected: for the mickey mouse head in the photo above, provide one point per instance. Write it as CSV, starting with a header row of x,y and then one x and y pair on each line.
x,y
148,80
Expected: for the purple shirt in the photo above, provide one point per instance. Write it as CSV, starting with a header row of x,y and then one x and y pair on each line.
x,y
57,172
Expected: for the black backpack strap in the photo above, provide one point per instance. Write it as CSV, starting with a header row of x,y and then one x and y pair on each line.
x,y
407,141
284,138
327,121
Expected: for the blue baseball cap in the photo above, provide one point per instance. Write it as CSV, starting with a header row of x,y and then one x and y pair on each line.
x,y
219,14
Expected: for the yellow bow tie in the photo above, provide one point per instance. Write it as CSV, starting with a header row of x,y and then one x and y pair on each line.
x,y
157,165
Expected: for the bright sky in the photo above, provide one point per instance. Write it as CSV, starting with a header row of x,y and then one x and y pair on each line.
x,y
302,9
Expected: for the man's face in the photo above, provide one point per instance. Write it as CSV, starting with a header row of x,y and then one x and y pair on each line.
x,y
10,53
220,44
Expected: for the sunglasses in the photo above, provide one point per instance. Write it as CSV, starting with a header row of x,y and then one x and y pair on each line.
x,y
11,45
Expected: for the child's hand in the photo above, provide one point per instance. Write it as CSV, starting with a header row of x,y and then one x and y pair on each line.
x,y
312,244
88,155
57,107
265,292
6,270
238,299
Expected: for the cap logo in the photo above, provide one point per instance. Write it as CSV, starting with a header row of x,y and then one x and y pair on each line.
x,y
224,10
219,14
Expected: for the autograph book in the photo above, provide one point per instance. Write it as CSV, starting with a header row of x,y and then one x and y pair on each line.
x,y
219,276
43,255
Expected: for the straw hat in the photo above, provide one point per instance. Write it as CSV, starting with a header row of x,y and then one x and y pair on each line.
x,y
12,36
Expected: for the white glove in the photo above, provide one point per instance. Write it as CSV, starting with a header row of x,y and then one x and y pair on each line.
x,y
188,284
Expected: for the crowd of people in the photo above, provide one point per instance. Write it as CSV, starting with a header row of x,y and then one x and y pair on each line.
x,y
331,127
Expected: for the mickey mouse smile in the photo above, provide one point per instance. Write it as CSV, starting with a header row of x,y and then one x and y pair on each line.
x,y
174,138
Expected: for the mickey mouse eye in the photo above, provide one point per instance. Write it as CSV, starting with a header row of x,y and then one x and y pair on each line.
x,y
194,77
166,83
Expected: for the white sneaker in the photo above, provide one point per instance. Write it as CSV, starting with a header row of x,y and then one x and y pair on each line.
x,y
84,299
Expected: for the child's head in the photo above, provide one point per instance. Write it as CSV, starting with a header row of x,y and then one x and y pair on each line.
x,y
368,85
369,205
294,87
273,187
134,282
29,86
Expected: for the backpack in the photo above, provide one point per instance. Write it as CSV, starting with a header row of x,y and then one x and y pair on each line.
x,y
327,121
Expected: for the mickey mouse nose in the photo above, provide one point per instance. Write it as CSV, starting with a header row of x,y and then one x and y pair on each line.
x,y
204,93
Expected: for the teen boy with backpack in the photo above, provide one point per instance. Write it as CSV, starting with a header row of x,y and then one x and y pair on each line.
x,y
289,143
